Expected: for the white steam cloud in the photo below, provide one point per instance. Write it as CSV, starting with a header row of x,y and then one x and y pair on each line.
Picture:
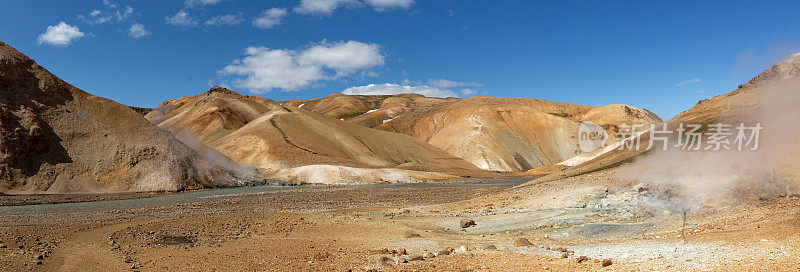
x,y
700,178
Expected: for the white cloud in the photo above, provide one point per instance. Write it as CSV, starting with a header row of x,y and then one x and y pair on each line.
x,y
96,19
326,7
392,89
61,34
97,16
687,82
265,69
269,18
382,5
225,20
468,92
125,14
343,57
700,92
137,30
194,3
181,19
444,83
109,4
322,6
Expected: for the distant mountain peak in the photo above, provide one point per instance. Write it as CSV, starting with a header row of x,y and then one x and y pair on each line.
x,y
785,69
218,89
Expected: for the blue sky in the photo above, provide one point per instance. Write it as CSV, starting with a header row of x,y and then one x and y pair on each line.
x,y
662,56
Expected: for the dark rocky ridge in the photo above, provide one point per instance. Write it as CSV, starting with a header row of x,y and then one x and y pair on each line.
x,y
56,138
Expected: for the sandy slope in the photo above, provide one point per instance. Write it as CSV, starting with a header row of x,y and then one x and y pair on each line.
x,y
57,138
210,115
506,134
261,133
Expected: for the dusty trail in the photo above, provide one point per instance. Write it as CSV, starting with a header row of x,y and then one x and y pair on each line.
x,y
90,250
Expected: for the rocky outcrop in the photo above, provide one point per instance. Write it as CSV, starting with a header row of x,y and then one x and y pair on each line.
x,y
55,138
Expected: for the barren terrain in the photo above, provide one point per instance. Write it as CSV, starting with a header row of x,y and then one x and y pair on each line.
x,y
340,228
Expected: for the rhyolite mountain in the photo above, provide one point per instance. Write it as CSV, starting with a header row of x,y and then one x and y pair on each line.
x,y
55,138
263,133
493,133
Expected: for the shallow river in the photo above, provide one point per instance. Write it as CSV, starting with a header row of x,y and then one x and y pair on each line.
x,y
227,193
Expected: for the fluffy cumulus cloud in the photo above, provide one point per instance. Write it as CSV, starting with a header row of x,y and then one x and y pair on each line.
x,y
345,58
181,18
61,34
137,30
392,89
381,5
264,69
444,83
269,18
225,20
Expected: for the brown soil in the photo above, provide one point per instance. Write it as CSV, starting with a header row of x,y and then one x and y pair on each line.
x,y
345,228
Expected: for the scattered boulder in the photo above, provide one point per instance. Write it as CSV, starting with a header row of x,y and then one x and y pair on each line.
x,y
564,255
401,251
463,249
3,245
606,262
430,256
560,249
446,251
490,247
522,242
582,259
128,259
466,223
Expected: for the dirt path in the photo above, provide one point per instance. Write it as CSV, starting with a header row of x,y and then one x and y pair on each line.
x,y
90,250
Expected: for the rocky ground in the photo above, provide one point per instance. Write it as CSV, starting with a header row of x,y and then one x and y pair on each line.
x,y
387,228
